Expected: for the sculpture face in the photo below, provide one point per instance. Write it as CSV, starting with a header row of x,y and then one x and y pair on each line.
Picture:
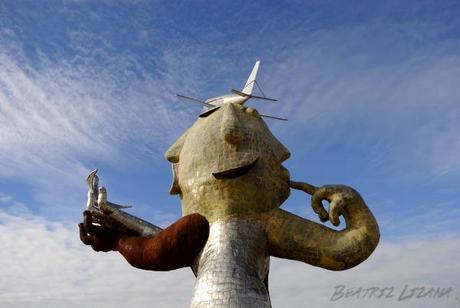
x,y
229,163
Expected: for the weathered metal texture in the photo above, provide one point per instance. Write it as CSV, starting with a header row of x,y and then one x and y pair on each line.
x,y
229,163
233,265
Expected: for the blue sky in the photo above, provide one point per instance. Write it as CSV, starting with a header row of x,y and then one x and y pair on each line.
x,y
370,89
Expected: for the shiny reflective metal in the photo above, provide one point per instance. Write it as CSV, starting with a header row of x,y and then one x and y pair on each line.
x,y
233,265
236,97
110,214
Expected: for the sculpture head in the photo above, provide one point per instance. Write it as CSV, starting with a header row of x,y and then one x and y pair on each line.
x,y
229,163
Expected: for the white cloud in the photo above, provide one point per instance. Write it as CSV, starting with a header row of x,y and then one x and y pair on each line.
x,y
59,119
65,111
415,262
45,265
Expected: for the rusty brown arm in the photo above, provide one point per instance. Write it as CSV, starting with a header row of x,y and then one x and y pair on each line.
x,y
106,227
293,237
174,247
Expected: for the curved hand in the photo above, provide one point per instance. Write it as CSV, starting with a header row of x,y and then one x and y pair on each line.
x,y
99,238
342,200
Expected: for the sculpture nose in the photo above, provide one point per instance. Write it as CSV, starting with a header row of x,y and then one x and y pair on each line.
x,y
231,128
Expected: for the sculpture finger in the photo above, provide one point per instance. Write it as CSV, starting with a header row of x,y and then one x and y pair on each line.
x,y
318,207
88,224
87,221
84,237
91,240
335,210
102,196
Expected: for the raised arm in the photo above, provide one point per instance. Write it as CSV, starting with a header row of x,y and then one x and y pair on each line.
x,y
293,237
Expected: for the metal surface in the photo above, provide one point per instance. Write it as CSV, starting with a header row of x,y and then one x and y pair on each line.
x,y
232,266
252,96
237,97
111,216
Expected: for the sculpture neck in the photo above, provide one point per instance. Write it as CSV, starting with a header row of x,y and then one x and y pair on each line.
x,y
232,266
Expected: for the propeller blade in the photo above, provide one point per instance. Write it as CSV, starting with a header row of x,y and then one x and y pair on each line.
x,y
272,117
240,93
265,98
196,100
190,98
253,96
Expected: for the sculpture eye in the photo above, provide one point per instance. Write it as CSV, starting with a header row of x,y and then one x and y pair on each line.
x,y
208,112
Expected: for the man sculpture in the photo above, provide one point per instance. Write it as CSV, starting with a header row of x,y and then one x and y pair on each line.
x,y
227,170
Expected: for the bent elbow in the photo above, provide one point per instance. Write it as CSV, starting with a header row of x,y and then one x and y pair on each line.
x,y
352,248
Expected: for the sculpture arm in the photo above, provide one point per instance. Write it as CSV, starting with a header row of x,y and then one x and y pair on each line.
x,y
174,247
294,237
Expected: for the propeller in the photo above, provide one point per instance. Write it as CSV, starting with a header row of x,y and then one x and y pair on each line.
x,y
196,100
213,107
272,117
253,96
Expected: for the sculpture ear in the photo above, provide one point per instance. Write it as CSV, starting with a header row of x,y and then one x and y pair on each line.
x,y
173,153
175,188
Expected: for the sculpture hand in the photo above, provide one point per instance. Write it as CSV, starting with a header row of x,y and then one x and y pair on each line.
x,y
100,238
340,197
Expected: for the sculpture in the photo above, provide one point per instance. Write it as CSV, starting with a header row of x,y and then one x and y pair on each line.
x,y
227,170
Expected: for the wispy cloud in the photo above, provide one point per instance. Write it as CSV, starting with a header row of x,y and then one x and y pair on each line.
x,y
60,120
342,87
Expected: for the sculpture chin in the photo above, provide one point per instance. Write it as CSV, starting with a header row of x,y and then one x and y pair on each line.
x,y
235,172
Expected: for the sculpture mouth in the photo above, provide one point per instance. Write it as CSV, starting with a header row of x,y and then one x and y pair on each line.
x,y
235,172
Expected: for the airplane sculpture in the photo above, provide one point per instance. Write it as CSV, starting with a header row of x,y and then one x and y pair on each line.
x,y
237,97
